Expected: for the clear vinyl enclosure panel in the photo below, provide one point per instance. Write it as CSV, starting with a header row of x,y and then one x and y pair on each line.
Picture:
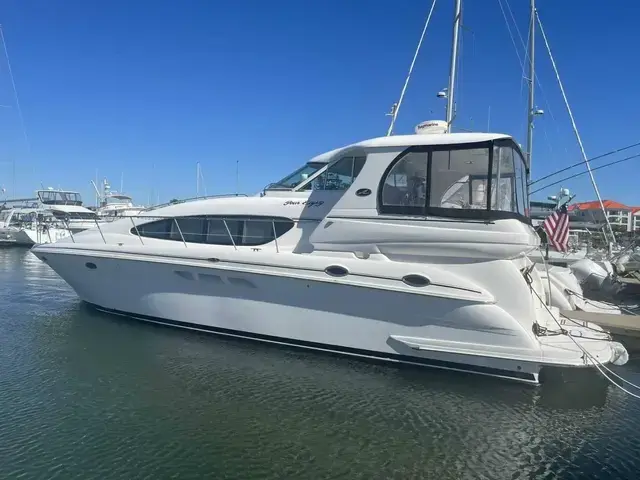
x,y
466,180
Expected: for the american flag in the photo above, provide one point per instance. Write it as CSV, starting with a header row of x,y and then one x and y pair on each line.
x,y
556,226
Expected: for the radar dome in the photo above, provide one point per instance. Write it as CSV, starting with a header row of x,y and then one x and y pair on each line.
x,y
430,127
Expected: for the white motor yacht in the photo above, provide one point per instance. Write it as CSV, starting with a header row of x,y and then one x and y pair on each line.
x,y
29,226
66,206
396,248
115,204
53,215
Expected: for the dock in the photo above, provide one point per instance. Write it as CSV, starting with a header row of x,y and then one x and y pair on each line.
x,y
623,328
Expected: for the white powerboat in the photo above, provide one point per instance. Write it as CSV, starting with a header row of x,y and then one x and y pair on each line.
x,y
29,226
385,249
54,214
66,206
115,204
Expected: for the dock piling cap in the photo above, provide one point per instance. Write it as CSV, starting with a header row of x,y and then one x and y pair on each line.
x,y
431,127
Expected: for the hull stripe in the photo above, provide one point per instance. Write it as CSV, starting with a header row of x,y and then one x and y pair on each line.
x,y
390,357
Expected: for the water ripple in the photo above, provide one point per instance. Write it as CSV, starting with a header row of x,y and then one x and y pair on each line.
x,y
90,396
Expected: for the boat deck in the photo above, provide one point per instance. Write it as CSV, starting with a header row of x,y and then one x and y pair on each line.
x,y
624,328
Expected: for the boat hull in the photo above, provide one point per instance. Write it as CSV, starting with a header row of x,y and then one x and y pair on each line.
x,y
329,316
29,237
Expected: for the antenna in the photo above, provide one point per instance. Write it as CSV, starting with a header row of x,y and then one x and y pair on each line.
x,y
197,179
237,176
151,192
200,181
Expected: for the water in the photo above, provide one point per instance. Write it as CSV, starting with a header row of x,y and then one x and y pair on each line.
x,y
91,396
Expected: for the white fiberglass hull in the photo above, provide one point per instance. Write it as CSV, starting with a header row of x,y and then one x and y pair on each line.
x,y
297,310
29,236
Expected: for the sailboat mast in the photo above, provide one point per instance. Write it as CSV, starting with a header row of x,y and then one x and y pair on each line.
x,y
454,64
198,180
532,73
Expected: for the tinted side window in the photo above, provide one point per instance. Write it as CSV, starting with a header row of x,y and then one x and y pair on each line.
x,y
217,233
158,229
257,232
241,231
191,228
260,231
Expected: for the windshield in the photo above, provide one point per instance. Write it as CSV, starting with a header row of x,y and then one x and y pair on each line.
x,y
292,180
54,197
5,215
118,200
75,215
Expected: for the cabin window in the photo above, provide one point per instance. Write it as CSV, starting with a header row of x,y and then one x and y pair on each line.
x,y
459,178
159,229
56,197
482,180
405,187
217,233
61,215
190,227
521,183
339,175
241,231
508,180
502,180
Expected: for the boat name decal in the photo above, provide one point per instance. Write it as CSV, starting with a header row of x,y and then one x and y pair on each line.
x,y
306,203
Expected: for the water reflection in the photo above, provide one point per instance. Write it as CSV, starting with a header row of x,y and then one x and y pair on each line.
x,y
89,395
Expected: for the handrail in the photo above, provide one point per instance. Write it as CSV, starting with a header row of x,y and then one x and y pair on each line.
x,y
137,231
193,199
100,230
175,220
233,242
275,235
204,229
70,232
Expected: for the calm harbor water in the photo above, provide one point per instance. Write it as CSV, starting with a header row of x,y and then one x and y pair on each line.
x,y
87,395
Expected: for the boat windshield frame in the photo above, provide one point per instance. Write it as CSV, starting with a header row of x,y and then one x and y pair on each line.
x,y
118,199
60,197
282,184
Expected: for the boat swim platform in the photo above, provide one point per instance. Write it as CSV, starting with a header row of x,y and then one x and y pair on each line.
x,y
624,328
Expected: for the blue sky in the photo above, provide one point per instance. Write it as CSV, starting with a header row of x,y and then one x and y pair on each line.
x,y
148,88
